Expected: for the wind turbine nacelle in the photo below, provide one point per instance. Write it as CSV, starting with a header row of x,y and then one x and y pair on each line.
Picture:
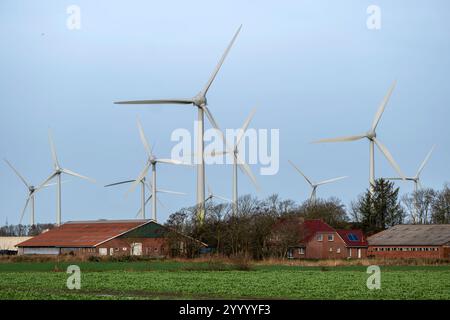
x,y
371,134
199,100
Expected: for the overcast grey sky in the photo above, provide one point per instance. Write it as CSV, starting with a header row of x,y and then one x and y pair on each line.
x,y
313,69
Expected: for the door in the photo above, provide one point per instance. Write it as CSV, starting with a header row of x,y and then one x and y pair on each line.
x,y
111,251
359,253
136,249
103,251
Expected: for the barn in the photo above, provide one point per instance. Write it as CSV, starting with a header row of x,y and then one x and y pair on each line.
x,y
109,238
321,241
411,241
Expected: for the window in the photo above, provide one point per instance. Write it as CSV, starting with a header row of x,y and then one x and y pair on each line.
x,y
331,237
319,237
338,250
352,237
331,249
124,249
301,250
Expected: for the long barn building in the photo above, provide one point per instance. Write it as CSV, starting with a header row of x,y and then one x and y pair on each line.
x,y
109,238
411,241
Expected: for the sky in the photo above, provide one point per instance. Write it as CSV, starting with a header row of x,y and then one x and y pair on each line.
x,y
313,69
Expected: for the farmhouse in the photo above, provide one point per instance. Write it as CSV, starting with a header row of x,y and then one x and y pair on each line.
x,y
321,241
109,237
8,244
411,241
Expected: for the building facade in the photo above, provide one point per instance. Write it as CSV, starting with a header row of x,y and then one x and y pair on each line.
x,y
411,241
109,238
321,241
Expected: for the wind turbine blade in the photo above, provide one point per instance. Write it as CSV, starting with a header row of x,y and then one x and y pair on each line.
x,y
383,104
425,161
245,126
172,161
393,178
53,149
160,101
17,173
216,70
222,198
24,209
43,184
117,183
216,126
341,139
69,172
144,139
140,177
171,192
299,171
248,172
140,209
389,157
209,190
331,180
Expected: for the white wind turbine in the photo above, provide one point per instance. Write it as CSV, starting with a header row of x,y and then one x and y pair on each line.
x,y
371,135
211,196
144,201
416,179
237,161
31,194
314,185
58,170
200,102
151,162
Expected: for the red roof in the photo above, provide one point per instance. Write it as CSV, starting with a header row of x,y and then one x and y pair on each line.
x,y
83,233
311,227
357,240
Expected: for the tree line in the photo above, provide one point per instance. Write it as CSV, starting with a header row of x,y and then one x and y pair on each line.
x,y
268,227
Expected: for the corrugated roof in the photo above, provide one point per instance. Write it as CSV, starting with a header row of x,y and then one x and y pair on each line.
x,y
413,235
346,236
83,233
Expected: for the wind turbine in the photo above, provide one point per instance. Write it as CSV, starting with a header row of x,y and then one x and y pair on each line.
x,y
314,185
144,201
57,171
159,201
238,162
31,194
151,162
371,135
200,102
416,178
211,195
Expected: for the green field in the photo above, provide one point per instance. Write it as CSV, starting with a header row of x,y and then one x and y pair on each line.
x,y
195,280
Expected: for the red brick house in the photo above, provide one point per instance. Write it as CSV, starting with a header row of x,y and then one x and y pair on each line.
x,y
106,238
321,241
412,241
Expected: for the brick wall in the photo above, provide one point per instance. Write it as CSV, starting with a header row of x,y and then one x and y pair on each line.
x,y
327,249
407,252
122,246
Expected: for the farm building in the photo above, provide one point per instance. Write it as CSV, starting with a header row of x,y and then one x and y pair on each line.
x,y
8,244
109,237
321,241
411,241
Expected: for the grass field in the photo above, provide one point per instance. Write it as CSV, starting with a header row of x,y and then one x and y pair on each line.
x,y
203,280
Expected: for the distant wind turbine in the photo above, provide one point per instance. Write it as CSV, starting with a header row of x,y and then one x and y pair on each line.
x,y
314,185
57,171
31,194
237,161
151,162
200,102
371,135
211,195
416,179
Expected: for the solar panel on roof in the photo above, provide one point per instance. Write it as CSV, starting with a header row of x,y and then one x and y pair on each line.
x,y
352,237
